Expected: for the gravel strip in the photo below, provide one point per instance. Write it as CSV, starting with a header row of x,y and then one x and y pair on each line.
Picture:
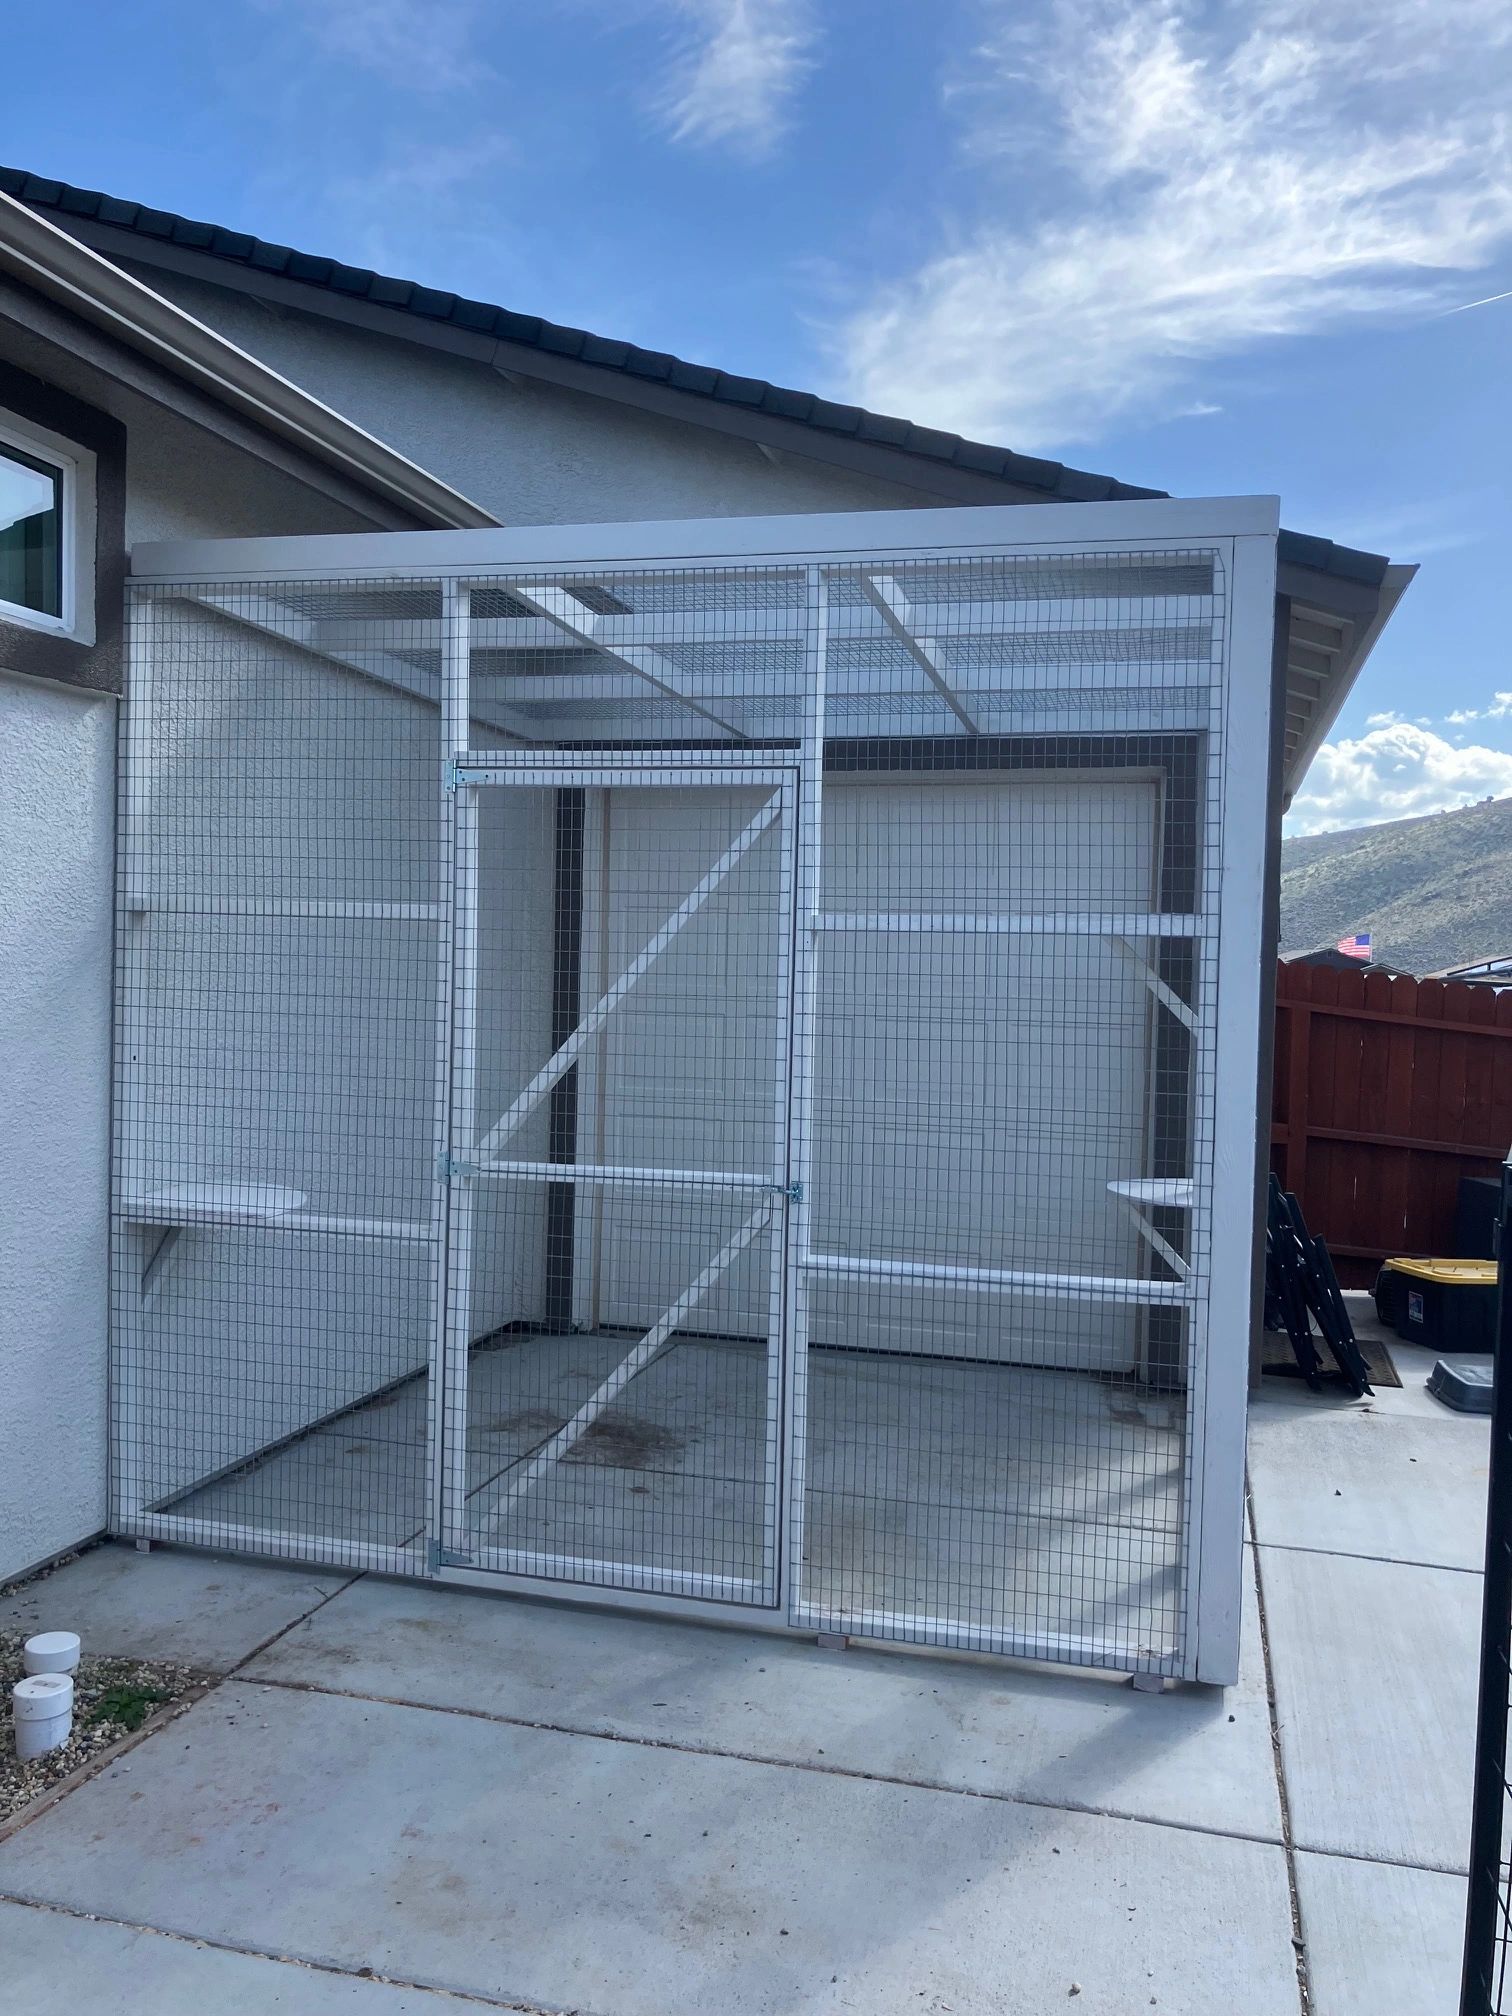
x,y
112,1698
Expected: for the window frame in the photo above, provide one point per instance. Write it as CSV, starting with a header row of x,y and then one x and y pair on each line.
x,y
76,530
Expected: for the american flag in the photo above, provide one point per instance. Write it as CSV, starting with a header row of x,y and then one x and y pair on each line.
x,y
1357,947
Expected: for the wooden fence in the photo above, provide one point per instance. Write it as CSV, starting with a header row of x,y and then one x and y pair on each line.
x,y
1386,1092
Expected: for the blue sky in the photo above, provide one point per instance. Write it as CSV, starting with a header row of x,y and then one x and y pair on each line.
x,y
1209,248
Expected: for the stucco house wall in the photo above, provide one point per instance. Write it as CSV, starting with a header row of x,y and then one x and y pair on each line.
x,y
530,452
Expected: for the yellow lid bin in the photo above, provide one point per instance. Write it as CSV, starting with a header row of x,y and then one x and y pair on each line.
x,y
1449,1305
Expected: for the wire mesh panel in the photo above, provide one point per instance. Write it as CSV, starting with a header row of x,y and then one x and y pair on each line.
x,y
697,1080
279,939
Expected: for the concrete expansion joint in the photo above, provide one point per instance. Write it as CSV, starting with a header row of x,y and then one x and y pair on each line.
x,y
762,1761
197,1940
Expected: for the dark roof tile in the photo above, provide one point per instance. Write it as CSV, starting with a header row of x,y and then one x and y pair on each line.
x,y
700,378
270,258
741,391
155,223
305,266
431,301
656,365
835,419
561,342
478,315
604,350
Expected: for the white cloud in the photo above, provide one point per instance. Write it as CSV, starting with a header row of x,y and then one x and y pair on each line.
x,y
1169,184
1395,772
1381,720
735,68
1499,705
421,45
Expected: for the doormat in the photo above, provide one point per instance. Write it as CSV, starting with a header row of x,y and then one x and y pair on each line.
x,y
1277,1355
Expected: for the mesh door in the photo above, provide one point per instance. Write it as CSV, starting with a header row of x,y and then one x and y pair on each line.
x,y
619,1219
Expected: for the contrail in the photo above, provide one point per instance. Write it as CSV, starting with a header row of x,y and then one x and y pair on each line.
x,y
1465,306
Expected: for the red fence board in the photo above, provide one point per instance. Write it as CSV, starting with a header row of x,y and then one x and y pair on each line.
x,y
1387,1091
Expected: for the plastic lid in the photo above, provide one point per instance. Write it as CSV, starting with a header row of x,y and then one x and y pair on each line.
x,y
52,1644
41,1696
1461,1273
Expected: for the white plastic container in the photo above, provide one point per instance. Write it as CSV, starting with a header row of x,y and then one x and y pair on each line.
x,y
42,1704
51,1652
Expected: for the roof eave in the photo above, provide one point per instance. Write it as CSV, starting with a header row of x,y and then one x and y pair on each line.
x,y
57,265
1361,613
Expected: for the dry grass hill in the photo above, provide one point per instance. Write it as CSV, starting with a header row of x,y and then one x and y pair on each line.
x,y
1432,892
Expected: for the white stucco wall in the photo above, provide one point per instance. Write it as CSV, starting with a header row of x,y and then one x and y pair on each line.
x,y
56,823
57,890
531,453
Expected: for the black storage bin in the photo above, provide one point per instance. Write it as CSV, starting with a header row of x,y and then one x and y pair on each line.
x,y
1449,1305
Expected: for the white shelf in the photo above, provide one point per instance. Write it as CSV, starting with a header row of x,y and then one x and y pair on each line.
x,y
1168,1192
271,1206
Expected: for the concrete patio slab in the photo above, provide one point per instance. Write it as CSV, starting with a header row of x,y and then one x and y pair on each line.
x,y
1354,1480
56,1961
203,1610
1375,1676
1196,1756
1381,1941
614,1877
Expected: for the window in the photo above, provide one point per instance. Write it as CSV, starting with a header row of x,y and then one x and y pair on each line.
x,y
47,531
31,532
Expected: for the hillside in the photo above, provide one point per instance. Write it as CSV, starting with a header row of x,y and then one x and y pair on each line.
x,y
1433,892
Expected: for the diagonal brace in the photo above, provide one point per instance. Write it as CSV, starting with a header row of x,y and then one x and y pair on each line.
x,y
1179,1267
1166,996
893,606
564,1058
646,1351
582,624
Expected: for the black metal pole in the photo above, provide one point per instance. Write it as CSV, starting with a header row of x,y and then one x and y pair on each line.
x,y
1485,1907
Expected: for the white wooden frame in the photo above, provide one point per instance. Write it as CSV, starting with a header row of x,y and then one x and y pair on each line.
x,y
1217,1284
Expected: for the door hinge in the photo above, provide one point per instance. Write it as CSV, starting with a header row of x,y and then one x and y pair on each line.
x,y
448,1166
792,1191
453,773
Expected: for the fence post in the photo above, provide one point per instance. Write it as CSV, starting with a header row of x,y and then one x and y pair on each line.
x,y
1485,1907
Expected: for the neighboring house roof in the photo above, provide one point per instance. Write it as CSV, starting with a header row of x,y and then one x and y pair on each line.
x,y
436,305
1339,598
1496,967
1341,962
56,265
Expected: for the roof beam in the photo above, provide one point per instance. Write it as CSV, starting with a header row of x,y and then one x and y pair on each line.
x,y
271,618
581,623
892,605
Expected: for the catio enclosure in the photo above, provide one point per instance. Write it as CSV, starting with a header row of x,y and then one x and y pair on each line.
x,y
705,1065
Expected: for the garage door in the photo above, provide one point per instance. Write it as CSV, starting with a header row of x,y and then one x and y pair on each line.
x,y
976,1089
